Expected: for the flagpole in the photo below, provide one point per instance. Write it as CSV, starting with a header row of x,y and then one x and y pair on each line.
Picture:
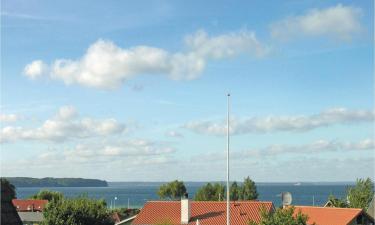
x,y
228,191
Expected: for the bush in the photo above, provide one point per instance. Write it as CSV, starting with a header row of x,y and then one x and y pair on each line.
x,y
81,210
281,217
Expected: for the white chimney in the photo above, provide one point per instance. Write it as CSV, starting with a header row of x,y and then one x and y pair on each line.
x,y
185,209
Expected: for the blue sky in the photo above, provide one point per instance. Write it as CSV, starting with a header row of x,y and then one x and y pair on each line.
x,y
136,90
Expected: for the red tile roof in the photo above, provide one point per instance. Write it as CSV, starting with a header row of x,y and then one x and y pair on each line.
x,y
328,215
29,205
208,213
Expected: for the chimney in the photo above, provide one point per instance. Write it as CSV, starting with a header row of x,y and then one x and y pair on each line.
x,y
185,209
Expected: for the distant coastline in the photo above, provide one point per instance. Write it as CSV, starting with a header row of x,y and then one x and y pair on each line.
x,y
55,182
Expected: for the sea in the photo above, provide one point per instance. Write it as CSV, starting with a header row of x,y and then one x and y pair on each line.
x,y
135,194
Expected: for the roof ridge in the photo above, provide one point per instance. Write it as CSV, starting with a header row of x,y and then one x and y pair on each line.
x,y
248,201
322,207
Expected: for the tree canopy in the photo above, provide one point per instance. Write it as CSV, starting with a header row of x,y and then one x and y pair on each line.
x,y
48,195
209,192
216,192
335,202
8,188
361,194
235,192
358,196
281,217
172,190
81,210
249,190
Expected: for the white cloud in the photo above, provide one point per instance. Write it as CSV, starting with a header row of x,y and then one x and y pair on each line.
x,y
107,66
130,158
36,69
283,123
8,118
134,152
275,150
174,134
66,113
339,22
63,126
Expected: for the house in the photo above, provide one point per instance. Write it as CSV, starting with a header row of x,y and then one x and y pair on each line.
x,y
335,216
371,208
127,221
29,205
31,218
200,212
29,210
124,217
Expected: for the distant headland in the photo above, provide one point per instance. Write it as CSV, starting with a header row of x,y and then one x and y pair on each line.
x,y
55,182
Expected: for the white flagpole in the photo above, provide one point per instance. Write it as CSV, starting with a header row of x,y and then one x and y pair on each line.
x,y
228,191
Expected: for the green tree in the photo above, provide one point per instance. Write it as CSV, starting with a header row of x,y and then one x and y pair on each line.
x,y
281,217
335,202
235,192
210,192
81,210
173,190
8,188
249,190
205,193
48,195
219,192
361,194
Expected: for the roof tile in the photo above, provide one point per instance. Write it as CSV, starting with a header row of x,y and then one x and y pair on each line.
x,y
208,212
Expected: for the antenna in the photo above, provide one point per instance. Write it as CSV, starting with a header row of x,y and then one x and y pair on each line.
x,y
286,198
228,192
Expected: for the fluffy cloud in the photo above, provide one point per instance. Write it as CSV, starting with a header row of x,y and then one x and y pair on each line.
x,y
340,22
107,66
283,123
135,152
320,146
174,134
63,126
8,118
36,69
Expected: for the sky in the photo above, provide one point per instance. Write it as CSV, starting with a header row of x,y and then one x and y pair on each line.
x,y
137,90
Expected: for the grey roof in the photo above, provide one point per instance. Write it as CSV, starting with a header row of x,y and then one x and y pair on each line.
x,y
371,208
31,216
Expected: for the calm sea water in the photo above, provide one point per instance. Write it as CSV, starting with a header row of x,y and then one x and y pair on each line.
x,y
137,193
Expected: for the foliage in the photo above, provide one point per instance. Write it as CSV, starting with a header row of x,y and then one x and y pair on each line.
x,y
358,196
56,182
210,192
235,192
81,210
249,190
173,190
361,194
8,191
48,195
281,217
216,192
335,202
